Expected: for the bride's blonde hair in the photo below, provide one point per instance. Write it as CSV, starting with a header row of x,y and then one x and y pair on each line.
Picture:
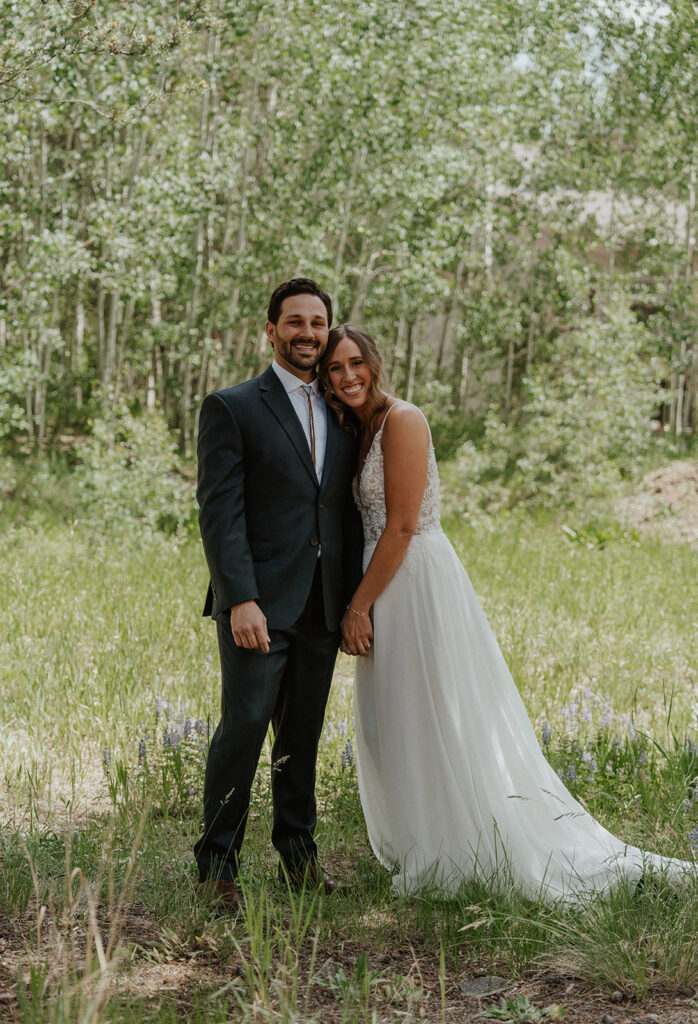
x,y
369,350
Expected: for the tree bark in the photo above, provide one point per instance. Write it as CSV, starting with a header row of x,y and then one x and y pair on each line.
x,y
411,360
447,331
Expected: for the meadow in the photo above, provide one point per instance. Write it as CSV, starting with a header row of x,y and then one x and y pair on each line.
x,y
109,682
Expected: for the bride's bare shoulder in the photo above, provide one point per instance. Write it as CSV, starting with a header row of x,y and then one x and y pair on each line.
x,y
405,421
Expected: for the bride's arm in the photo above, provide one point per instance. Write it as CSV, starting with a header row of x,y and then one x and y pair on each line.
x,y
405,444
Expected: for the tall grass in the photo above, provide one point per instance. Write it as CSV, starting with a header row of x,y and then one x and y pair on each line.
x,y
110,688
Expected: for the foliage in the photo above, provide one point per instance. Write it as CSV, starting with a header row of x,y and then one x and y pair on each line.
x,y
130,473
471,184
519,1008
583,425
585,419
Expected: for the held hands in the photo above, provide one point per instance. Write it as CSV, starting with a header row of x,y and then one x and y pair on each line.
x,y
357,632
248,624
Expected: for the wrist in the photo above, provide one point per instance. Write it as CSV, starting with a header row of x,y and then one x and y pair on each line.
x,y
356,611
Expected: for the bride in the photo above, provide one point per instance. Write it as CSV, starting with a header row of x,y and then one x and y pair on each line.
x,y
452,779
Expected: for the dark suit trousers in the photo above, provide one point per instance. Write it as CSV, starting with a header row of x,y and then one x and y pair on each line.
x,y
288,687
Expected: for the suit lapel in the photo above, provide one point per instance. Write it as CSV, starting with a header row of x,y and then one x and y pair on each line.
x,y
274,395
331,447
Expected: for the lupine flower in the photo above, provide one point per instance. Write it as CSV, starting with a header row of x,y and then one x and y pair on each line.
x,y
693,841
329,729
106,757
348,755
186,728
609,768
571,773
141,751
342,728
642,759
199,725
687,804
546,733
559,773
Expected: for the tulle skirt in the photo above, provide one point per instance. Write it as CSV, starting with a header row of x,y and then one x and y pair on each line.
x,y
452,778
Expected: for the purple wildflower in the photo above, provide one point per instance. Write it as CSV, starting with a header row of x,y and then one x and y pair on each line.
x,y
546,734
141,751
170,739
693,841
106,757
348,755
571,773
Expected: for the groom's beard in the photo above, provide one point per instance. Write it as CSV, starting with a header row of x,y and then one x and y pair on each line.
x,y
301,360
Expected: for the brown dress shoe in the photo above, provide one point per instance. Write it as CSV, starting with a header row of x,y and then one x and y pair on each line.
x,y
222,891
310,876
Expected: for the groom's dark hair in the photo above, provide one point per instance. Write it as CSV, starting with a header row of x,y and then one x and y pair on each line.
x,y
297,286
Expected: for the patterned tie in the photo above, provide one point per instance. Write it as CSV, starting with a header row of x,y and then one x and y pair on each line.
x,y
309,391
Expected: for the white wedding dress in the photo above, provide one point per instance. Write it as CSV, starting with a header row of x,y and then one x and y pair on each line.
x,y
452,779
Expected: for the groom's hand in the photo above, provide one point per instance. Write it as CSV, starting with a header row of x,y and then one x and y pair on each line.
x,y
248,624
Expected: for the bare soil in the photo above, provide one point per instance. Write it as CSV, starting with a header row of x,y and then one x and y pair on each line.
x,y
150,969
666,503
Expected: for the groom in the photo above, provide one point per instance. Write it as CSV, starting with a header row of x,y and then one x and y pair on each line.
x,y
283,545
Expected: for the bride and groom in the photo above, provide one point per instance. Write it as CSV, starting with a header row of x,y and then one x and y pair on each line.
x,y
451,776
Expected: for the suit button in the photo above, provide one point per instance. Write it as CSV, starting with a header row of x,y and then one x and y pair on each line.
x,y
314,541
321,506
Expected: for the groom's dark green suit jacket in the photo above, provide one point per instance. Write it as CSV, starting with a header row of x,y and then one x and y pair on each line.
x,y
263,514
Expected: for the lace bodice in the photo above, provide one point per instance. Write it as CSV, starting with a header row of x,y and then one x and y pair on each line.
x,y
369,493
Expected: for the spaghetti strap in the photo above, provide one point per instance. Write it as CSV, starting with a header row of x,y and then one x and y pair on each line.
x,y
399,401
390,409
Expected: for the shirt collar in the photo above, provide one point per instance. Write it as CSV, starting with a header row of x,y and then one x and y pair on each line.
x,y
290,381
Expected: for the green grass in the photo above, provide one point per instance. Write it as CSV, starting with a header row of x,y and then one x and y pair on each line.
x,y
110,685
